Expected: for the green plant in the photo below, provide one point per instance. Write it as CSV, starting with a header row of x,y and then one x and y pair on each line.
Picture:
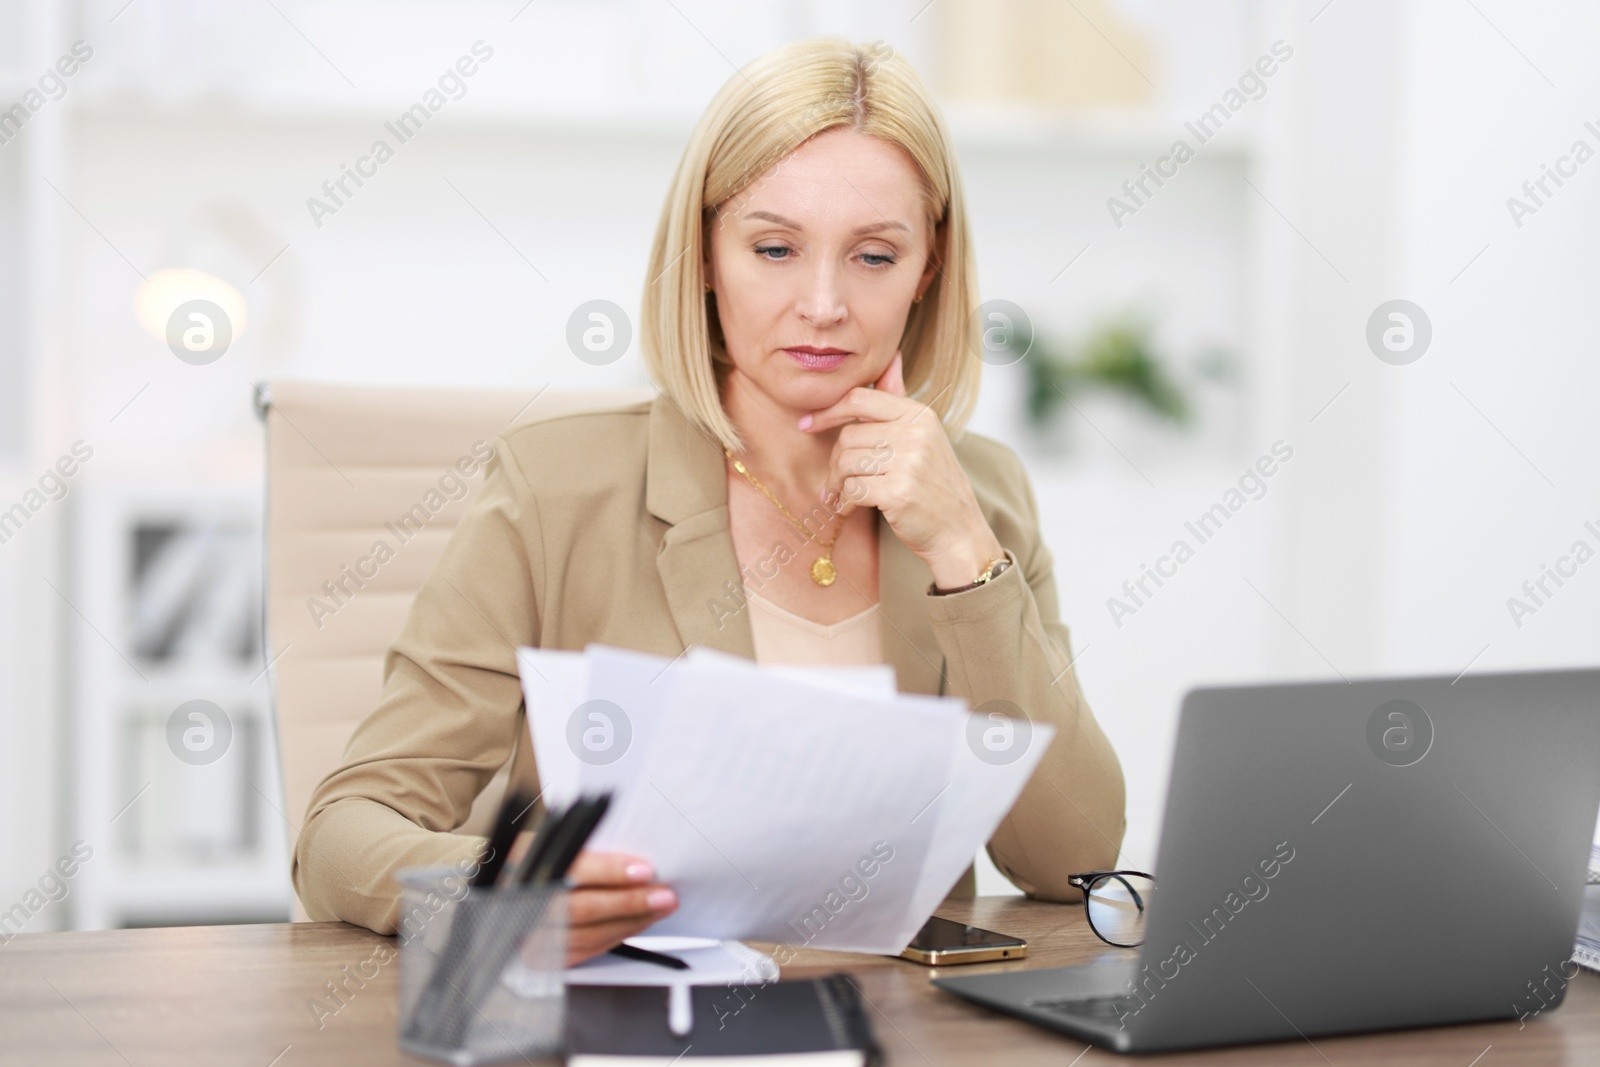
x,y
1118,358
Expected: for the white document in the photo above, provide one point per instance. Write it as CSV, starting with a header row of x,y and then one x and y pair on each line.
x,y
876,679
968,812
592,740
592,716
553,685
804,807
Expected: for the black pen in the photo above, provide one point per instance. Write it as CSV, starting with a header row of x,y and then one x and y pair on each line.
x,y
490,951
434,1009
549,827
564,851
506,827
644,955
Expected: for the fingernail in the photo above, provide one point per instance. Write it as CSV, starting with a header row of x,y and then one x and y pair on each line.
x,y
805,421
661,899
639,872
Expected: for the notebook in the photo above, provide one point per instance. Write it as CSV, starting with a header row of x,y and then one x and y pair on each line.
x,y
813,1023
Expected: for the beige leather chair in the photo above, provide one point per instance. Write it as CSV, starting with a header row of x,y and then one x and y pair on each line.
x,y
345,464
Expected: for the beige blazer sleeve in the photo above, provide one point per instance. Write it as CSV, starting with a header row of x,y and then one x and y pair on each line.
x,y
1004,642
449,718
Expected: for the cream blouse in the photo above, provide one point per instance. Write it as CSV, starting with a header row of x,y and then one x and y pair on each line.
x,y
784,637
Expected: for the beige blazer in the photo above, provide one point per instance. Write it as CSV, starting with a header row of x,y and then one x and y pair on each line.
x,y
612,527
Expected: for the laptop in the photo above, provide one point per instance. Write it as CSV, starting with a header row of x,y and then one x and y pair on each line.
x,y
1339,857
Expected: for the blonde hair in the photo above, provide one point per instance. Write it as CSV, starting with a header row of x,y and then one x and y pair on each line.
x,y
761,115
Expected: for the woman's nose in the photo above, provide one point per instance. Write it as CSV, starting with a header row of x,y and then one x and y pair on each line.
x,y
822,301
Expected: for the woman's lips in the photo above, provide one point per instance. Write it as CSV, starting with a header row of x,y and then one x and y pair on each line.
x,y
817,358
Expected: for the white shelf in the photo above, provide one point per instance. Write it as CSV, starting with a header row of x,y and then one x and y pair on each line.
x,y
1097,134
108,103
194,856
200,893
1005,130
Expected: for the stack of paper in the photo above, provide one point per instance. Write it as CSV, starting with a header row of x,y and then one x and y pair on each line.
x,y
811,806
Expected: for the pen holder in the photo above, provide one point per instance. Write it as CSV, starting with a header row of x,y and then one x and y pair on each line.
x,y
482,970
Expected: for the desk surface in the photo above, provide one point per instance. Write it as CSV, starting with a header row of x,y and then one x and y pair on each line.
x,y
239,995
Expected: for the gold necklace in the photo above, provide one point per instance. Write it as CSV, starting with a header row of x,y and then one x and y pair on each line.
x,y
823,571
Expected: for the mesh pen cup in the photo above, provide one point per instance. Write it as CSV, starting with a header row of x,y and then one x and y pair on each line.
x,y
482,971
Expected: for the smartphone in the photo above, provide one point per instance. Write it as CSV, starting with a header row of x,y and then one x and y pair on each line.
x,y
941,942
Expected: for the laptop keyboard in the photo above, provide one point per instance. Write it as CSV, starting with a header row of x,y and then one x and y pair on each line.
x,y
1109,1008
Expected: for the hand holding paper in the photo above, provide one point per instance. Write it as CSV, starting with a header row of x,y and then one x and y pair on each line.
x,y
798,805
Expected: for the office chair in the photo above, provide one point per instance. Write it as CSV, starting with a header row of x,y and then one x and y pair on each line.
x,y
348,466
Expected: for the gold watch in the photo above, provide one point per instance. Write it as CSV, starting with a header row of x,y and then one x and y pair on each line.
x,y
990,573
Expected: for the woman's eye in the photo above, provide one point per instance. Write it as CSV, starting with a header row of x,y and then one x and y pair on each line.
x,y
778,253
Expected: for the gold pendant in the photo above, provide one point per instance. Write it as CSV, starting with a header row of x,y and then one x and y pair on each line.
x,y
822,571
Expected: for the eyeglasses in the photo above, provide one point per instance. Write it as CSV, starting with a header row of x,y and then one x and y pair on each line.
x,y
1116,903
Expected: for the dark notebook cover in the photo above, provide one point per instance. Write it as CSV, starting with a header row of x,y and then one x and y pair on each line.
x,y
817,1015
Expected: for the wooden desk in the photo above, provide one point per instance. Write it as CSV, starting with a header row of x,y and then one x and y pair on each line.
x,y
238,995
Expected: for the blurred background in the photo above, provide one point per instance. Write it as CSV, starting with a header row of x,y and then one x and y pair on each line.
x,y
1342,155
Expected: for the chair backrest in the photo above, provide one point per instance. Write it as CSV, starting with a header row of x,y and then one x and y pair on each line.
x,y
349,467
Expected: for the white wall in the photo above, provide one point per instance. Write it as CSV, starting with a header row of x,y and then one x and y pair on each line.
x,y
35,735
1481,501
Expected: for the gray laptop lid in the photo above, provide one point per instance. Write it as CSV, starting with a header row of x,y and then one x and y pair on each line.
x,y
1376,854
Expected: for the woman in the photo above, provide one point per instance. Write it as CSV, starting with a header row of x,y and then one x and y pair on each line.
x,y
800,492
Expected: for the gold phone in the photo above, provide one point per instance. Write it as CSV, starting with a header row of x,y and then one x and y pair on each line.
x,y
941,942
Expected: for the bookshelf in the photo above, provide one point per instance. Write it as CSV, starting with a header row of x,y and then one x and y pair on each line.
x,y
182,812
